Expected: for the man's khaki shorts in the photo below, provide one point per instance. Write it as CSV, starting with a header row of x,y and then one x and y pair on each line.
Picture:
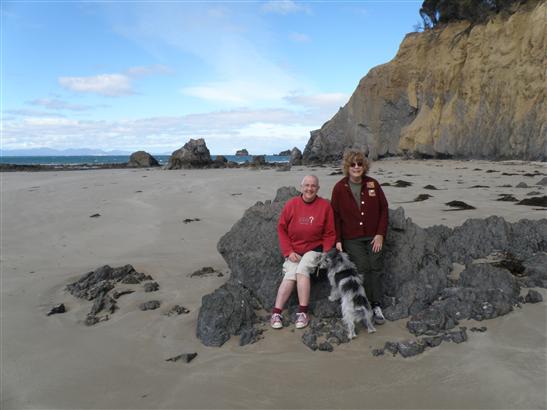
x,y
306,266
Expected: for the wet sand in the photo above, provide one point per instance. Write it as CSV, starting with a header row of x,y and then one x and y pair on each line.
x,y
49,240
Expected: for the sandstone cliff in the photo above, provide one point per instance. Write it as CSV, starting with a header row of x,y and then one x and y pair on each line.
x,y
451,93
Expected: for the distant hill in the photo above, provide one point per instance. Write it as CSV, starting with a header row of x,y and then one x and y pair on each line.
x,y
46,152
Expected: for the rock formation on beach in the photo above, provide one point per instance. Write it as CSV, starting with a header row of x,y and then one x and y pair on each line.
x,y
142,159
242,153
99,286
437,275
194,154
296,157
455,91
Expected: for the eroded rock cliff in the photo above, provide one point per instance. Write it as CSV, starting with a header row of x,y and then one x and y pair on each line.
x,y
449,92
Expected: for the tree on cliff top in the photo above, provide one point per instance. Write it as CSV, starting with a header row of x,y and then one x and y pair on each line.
x,y
434,12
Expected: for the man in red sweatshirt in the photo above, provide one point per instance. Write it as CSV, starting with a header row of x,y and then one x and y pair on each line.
x,y
305,229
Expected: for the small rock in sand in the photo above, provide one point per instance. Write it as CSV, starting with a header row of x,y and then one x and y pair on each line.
x,y
185,357
151,286
535,201
177,310
460,205
60,308
150,305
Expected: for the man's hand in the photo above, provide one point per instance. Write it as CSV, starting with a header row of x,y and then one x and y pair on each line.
x,y
339,246
294,257
377,243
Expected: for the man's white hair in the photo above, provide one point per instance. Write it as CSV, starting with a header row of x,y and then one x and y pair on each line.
x,y
310,176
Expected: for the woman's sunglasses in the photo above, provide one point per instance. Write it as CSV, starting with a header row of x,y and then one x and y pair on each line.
x,y
356,164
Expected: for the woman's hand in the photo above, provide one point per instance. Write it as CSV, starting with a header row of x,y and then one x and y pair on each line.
x,y
339,246
294,257
377,243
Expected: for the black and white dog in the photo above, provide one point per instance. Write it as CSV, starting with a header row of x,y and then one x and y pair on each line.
x,y
347,285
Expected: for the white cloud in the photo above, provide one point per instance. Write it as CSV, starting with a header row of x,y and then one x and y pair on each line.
x,y
322,100
283,7
299,37
50,122
30,113
57,104
262,131
111,85
237,91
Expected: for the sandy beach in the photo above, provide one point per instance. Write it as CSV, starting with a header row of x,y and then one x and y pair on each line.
x,y
56,362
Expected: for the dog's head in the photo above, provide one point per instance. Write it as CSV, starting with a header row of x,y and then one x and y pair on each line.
x,y
334,261
327,260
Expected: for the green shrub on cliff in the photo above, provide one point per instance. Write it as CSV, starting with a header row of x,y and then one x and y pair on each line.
x,y
434,12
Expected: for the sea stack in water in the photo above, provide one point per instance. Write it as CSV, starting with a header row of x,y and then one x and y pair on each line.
x,y
242,153
142,159
194,154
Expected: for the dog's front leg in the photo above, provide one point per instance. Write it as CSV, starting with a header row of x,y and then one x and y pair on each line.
x,y
334,294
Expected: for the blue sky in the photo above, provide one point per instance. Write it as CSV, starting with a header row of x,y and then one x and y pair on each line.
x,y
132,75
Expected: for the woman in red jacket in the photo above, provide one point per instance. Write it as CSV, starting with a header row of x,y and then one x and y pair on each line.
x,y
360,216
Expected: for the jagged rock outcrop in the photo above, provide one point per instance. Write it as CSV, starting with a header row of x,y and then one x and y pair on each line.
x,y
451,93
419,269
194,154
142,159
285,153
97,286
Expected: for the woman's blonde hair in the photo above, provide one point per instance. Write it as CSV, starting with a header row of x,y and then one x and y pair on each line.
x,y
352,156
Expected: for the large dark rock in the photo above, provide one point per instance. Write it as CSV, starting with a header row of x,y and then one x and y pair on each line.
x,y
484,292
296,157
142,159
194,154
418,266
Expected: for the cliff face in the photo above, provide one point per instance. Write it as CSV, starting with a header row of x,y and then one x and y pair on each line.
x,y
448,93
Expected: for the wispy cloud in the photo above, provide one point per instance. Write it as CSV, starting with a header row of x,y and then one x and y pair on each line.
x,y
321,100
237,91
283,7
30,113
111,85
149,70
299,37
57,104
234,47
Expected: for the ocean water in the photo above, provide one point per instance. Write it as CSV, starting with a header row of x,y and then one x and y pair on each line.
x,y
113,159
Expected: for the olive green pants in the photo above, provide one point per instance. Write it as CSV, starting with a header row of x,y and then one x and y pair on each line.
x,y
370,266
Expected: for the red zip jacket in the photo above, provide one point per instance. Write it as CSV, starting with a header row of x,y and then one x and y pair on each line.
x,y
305,226
369,219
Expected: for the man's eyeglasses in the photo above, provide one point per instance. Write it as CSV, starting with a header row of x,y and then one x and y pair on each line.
x,y
356,164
